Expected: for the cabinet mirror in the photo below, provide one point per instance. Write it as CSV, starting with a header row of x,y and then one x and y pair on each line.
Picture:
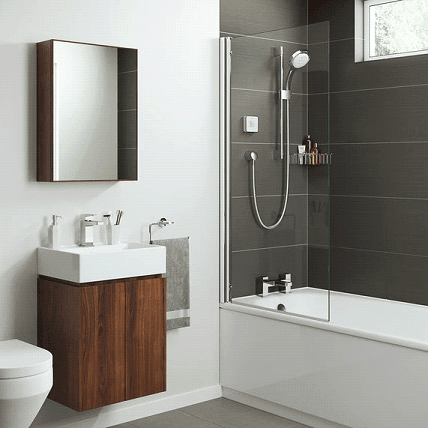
x,y
86,112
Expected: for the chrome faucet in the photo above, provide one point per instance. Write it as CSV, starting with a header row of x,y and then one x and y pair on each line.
x,y
87,221
264,285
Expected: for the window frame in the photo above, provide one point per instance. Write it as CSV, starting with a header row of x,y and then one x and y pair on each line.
x,y
368,31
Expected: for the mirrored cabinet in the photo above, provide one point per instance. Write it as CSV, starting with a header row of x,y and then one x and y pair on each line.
x,y
86,112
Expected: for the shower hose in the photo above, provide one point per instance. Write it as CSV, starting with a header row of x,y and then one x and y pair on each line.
x,y
252,157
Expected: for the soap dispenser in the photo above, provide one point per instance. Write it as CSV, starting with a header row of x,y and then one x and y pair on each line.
x,y
54,233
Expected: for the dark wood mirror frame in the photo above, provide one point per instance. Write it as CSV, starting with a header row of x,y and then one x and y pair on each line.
x,y
127,135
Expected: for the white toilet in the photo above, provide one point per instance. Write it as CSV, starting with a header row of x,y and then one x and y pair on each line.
x,y
25,381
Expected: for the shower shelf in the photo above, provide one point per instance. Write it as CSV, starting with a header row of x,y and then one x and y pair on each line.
x,y
310,158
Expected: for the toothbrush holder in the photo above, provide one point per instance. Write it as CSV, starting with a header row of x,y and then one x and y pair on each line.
x,y
113,234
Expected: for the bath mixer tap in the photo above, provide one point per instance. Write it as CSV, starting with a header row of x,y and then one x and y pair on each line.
x,y
87,222
264,285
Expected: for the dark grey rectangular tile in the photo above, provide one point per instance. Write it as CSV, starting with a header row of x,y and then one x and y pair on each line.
x,y
406,278
246,266
127,91
127,60
360,169
269,172
256,67
265,105
319,177
347,75
407,171
127,129
247,234
257,16
127,164
358,222
318,119
319,67
407,226
394,114
359,272
386,169
319,220
319,32
319,267
340,13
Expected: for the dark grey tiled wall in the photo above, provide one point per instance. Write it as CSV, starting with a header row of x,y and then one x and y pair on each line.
x,y
379,185
256,251
127,114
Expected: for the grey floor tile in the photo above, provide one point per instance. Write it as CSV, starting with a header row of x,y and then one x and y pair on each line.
x,y
173,419
230,414
125,425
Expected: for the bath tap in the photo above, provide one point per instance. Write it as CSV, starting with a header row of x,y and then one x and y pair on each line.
x,y
264,285
87,221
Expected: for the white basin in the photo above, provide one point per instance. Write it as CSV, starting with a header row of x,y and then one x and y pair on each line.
x,y
101,262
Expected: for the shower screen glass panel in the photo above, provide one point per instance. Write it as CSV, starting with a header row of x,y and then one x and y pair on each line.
x,y
295,187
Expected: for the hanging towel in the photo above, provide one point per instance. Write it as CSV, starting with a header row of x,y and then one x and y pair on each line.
x,y
177,282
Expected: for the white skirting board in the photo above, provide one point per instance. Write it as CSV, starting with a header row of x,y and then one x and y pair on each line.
x,y
54,415
276,409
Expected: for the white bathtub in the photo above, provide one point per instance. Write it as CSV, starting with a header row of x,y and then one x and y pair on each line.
x,y
367,367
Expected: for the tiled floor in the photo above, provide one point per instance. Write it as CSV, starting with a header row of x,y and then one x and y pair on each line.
x,y
211,414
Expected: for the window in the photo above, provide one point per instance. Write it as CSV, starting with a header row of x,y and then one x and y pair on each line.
x,y
394,28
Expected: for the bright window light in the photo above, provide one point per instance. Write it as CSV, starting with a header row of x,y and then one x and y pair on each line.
x,y
395,28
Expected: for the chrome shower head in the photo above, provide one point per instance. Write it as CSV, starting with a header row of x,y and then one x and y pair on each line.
x,y
299,59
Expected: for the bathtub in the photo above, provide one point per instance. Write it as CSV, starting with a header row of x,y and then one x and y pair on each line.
x,y
367,367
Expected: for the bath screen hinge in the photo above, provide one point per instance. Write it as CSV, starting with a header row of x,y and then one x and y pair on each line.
x,y
230,293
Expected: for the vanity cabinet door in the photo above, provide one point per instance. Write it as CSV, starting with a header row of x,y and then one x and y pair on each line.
x,y
84,328
145,337
108,339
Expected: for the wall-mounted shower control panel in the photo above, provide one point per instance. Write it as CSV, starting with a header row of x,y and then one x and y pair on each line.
x,y
251,123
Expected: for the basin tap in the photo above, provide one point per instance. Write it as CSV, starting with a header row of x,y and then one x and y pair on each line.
x,y
87,221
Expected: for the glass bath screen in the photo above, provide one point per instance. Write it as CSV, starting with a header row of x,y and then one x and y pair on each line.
x,y
299,245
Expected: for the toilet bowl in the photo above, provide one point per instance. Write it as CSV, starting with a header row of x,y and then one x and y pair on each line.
x,y
25,381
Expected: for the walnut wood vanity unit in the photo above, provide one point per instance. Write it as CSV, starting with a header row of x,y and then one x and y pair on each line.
x,y
108,338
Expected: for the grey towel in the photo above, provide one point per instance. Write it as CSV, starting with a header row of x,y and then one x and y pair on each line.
x,y
177,282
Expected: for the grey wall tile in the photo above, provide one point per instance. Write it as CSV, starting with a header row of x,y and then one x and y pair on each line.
x,y
395,114
127,129
127,164
407,170
127,60
269,172
319,220
340,13
318,119
255,66
248,265
358,222
265,106
407,226
247,234
318,177
319,267
406,278
359,272
257,16
359,169
127,91
347,75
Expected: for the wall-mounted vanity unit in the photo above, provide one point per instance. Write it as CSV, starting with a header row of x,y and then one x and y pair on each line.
x,y
86,112
106,328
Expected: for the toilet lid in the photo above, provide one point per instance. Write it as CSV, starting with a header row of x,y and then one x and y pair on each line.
x,y
20,359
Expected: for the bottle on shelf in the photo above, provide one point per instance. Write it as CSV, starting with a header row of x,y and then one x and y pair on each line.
x,y
315,151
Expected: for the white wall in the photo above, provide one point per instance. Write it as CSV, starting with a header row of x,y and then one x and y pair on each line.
x,y
178,157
